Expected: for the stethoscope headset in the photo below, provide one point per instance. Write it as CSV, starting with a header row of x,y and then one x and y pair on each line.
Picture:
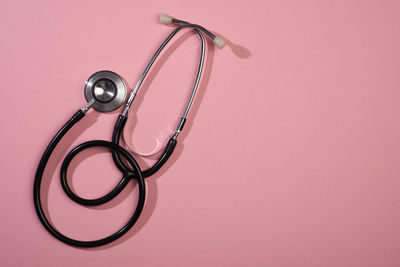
x,y
106,91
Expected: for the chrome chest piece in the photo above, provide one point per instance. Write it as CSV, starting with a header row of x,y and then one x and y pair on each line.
x,y
107,88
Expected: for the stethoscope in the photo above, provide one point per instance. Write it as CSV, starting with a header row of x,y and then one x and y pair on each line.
x,y
106,91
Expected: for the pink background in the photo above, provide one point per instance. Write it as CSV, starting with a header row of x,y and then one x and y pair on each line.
x,y
290,156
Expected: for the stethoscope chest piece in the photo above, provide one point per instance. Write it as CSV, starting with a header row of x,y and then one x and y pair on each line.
x,y
107,88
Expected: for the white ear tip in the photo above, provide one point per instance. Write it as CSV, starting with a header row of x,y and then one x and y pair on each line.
x,y
219,42
165,19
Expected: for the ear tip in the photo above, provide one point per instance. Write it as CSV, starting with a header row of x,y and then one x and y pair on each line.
x,y
219,42
165,19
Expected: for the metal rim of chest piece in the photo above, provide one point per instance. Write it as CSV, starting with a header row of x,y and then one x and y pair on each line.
x,y
107,88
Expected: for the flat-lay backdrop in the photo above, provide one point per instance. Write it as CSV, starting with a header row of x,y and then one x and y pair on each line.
x,y
290,156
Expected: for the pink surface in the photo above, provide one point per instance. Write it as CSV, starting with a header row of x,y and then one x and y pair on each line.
x,y
290,156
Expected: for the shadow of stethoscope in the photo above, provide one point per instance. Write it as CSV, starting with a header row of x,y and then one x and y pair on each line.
x,y
91,118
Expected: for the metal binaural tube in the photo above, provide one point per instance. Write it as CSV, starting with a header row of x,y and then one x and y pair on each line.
x,y
192,94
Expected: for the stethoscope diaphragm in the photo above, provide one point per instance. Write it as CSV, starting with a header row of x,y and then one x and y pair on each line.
x,y
107,88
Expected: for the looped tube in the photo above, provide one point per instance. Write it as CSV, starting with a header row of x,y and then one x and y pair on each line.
x,y
127,174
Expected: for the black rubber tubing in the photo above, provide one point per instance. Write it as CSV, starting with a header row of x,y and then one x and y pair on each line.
x,y
128,174
118,128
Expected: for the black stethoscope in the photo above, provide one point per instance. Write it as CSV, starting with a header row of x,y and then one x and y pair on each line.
x,y
106,91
